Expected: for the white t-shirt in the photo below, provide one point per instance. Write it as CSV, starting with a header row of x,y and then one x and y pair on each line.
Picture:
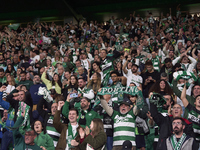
x,y
9,88
133,78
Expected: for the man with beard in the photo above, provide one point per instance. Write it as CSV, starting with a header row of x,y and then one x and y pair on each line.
x,y
86,114
164,122
124,123
179,140
34,90
131,74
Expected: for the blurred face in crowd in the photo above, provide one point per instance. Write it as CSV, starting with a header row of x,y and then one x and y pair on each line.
x,y
60,70
114,77
29,137
124,108
23,77
103,54
168,64
162,85
54,108
84,104
36,79
1,74
80,70
197,102
196,90
168,101
73,80
134,69
38,127
67,75
177,111
78,63
81,83
55,77
149,68
21,96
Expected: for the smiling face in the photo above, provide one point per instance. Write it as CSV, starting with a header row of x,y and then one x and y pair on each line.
x,y
197,101
84,104
72,116
162,85
38,127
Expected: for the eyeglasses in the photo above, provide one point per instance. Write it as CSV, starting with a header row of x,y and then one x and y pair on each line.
x,y
176,123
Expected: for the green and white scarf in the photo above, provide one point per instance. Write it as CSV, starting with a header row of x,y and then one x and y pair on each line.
x,y
177,145
70,135
24,108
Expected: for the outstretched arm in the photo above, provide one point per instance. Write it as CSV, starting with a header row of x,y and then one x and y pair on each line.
x,y
183,97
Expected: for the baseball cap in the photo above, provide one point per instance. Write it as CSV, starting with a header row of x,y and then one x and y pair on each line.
x,y
127,145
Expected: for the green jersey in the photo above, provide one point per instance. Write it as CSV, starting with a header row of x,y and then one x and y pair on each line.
x,y
124,127
194,117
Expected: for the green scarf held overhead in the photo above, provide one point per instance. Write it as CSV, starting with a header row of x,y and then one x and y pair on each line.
x,y
131,90
157,100
184,75
23,109
177,145
70,135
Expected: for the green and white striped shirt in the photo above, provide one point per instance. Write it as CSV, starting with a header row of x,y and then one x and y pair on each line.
x,y
124,127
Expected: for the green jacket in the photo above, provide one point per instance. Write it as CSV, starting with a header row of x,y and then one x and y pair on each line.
x,y
96,142
19,139
28,83
89,114
44,140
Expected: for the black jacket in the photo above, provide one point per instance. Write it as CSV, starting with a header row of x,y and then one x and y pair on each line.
x,y
165,125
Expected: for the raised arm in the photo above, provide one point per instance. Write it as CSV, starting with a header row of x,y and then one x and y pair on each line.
x,y
105,106
183,97
56,121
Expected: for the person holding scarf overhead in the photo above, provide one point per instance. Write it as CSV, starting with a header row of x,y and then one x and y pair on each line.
x,y
68,132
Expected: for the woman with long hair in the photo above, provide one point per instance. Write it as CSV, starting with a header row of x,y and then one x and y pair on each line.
x,y
95,82
11,70
54,83
96,139
42,139
95,68
73,86
161,87
10,83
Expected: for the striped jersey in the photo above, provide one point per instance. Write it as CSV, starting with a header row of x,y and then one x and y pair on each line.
x,y
51,131
124,127
194,117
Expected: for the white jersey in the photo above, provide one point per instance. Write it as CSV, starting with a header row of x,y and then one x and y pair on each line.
x,y
133,78
85,63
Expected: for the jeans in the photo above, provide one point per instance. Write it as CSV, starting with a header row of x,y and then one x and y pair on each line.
x,y
6,140
109,144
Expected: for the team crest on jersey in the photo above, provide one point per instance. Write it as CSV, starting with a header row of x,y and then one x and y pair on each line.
x,y
122,118
89,114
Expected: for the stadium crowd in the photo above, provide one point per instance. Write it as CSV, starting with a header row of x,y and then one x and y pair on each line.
x,y
129,83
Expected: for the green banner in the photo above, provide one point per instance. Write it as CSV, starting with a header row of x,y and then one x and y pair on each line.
x,y
131,90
